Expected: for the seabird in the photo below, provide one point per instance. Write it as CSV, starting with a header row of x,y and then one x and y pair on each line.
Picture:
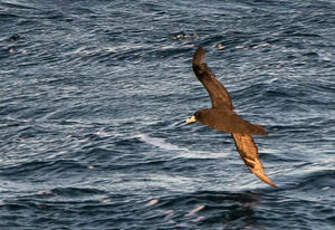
x,y
223,118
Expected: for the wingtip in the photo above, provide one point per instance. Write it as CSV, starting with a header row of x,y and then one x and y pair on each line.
x,y
198,56
259,172
268,181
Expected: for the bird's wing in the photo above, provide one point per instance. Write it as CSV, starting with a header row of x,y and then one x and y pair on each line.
x,y
249,154
217,92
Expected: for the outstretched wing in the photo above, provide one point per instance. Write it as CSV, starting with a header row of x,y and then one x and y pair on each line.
x,y
217,92
248,151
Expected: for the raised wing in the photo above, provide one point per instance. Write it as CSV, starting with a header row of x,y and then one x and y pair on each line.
x,y
217,92
248,151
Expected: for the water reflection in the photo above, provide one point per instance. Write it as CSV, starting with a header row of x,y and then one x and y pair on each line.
x,y
219,210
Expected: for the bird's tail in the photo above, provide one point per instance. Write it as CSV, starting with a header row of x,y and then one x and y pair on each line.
x,y
257,130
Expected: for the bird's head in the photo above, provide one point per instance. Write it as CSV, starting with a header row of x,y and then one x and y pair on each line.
x,y
196,117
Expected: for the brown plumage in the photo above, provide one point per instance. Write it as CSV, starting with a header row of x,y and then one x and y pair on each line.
x,y
222,117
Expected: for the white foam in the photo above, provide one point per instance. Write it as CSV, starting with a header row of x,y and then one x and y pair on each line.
x,y
159,142
183,152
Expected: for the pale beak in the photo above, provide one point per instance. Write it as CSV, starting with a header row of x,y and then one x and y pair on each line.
x,y
191,119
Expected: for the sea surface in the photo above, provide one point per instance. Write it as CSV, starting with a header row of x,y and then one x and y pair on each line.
x,y
93,101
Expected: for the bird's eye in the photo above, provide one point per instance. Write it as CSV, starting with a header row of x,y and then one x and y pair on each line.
x,y
197,114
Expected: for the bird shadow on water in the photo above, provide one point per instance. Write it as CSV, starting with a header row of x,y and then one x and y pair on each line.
x,y
211,209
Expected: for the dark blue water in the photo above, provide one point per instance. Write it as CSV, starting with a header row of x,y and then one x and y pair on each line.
x,y
94,95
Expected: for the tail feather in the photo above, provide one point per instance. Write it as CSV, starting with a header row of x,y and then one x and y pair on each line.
x,y
257,130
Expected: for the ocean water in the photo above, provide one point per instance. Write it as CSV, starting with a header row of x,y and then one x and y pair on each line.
x,y
94,95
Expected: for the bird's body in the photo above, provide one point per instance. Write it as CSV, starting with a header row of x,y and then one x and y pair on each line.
x,y
226,120
223,118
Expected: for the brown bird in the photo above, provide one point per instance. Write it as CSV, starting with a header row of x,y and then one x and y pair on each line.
x,y
223,118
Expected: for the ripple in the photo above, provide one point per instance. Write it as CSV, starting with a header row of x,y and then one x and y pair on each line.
x,y
93,100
